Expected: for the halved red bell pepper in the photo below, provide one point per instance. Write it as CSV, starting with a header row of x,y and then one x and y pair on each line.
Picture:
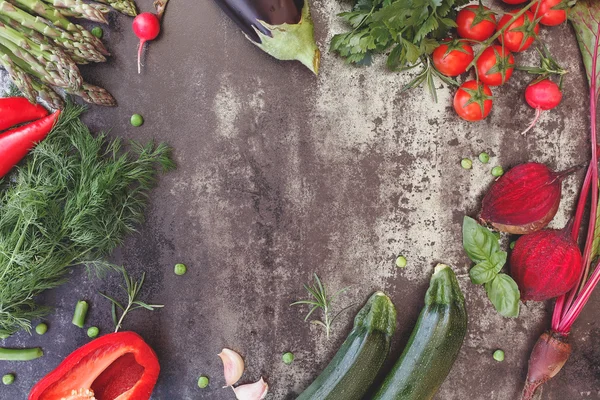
x,y
117,366
16,110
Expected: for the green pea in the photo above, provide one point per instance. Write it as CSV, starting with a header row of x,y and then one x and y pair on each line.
x,y
137,120
497,171
98,32
288,358
466,163
512,244
180,269
203,382
499,355
401,262
41,328
8,379
484,158
93,331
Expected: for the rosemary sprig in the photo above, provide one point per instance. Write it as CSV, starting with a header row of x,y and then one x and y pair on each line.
x,y
321,300
132,288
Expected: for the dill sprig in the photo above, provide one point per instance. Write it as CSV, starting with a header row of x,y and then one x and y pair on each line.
x,y
321,300
71,202
132,288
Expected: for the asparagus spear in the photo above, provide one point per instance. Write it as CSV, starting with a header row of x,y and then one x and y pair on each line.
x,y
124,6
52,59
78,9
54,15
48,95
19,77
76,12
94,94
60,37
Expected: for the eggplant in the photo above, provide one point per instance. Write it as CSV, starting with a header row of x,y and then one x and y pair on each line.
x,y
281,28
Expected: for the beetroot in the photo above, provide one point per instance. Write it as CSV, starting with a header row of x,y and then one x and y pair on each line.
x,y
525,199
546,264
549,355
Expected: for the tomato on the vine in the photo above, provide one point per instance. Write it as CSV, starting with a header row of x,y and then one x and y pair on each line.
x,y
550,12
520,34
476,22
452,58
473,101
495,66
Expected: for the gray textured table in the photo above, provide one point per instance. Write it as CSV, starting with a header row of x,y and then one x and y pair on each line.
x,y
282,175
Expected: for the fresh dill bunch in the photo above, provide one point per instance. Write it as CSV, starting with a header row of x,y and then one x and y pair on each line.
x,y
323,301
72,201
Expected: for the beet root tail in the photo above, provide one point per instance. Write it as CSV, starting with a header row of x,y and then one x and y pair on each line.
x,y
549,355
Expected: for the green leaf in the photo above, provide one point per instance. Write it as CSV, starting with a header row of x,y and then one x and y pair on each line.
x,y
504,294
479,242
585,17
487,270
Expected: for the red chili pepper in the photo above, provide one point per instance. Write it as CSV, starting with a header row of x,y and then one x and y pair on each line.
x,y
16,143
116,366
16,110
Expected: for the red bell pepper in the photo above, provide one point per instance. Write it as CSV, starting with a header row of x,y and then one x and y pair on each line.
x,y
16,143
16,110
118,366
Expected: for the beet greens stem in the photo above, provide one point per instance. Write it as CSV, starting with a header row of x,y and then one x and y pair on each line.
x,y
568,309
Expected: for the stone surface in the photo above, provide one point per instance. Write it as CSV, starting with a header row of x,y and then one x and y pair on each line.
x,y
282,174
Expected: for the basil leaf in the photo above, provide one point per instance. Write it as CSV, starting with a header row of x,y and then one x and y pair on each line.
x,y
487,270
479,242
504,294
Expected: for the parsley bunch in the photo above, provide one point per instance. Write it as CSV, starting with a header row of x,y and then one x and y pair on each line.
x,y
412,29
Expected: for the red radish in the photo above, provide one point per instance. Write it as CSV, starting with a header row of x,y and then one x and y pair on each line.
x,y
146,26
543,95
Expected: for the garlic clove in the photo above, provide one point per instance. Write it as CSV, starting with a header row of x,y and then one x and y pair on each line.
x,y
252,391
233,366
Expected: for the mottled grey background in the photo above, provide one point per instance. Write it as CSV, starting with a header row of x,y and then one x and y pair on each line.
x,y
282,174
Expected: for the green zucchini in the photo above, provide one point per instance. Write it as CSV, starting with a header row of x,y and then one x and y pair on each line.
x,y
434,344
358,361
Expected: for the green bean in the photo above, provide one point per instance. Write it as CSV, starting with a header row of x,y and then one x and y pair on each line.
x,y
81,310
20,354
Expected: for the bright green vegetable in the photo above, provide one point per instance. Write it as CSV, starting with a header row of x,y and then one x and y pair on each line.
x,y
80,313
203,382
73,201
98,32
466,163
288,358
8,379
401,262
512,245
180,269
93,332
137,120
484,158
20,354
497,171
358,361
499,355
41,328
434,344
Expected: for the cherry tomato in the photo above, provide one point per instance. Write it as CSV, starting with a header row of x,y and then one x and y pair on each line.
x,y
514,1
549,15
520,34
473,101
453,58
476,22
495,66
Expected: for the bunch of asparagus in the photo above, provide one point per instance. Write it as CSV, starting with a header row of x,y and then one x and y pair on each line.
x,y
40,48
